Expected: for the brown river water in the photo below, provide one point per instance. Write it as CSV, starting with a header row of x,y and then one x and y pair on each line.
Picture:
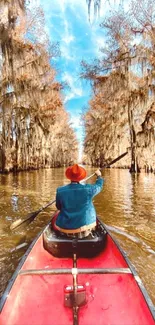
x,y
126,205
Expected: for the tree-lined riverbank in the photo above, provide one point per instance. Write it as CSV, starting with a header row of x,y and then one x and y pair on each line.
x,y
121,112
34,127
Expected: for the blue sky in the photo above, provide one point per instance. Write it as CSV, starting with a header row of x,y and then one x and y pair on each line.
x,y
67,23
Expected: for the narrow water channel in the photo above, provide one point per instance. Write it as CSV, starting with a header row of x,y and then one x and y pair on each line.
x,y
126,205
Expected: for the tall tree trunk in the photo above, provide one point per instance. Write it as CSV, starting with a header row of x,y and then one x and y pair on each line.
x,y
3,146
134,164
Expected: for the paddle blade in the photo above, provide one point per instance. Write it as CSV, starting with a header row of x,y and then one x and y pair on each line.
x,y
118,158
16,224
31,216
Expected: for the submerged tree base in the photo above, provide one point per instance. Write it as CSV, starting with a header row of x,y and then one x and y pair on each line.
x,y
134,169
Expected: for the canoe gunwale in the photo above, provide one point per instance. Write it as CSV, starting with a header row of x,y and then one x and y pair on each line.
x,y
17,270
136,276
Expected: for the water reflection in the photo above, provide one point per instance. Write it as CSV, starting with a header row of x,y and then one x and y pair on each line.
x,y
126,205
14,201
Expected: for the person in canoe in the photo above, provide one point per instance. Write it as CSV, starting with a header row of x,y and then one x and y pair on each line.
x,y
77,216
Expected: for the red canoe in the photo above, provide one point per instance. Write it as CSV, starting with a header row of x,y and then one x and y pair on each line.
x,y
45,290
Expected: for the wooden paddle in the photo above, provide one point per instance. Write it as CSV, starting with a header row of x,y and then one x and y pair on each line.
x,y
31,216
108,165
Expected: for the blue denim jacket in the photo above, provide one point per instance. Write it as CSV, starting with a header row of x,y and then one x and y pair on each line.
x,y
75,204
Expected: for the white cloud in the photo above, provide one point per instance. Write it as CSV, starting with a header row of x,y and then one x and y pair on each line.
x,y
67,36
112,4
76,121
74,84
51,7
66,53
100,41
67,77
67,39
68,97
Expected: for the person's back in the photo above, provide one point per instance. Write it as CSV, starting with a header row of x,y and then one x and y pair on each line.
x,y
77,212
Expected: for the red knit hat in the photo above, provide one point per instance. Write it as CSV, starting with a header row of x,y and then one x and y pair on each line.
x,y
76,173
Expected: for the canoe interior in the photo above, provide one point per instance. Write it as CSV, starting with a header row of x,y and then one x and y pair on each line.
x,y
113,299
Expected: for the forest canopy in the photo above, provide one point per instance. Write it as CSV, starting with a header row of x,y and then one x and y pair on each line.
x,y
121,112
34,127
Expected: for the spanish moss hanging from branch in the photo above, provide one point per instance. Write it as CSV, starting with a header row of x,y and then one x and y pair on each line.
x,y
97,5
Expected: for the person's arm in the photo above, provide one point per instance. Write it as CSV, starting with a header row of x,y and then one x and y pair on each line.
x,y
97,187
58,204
